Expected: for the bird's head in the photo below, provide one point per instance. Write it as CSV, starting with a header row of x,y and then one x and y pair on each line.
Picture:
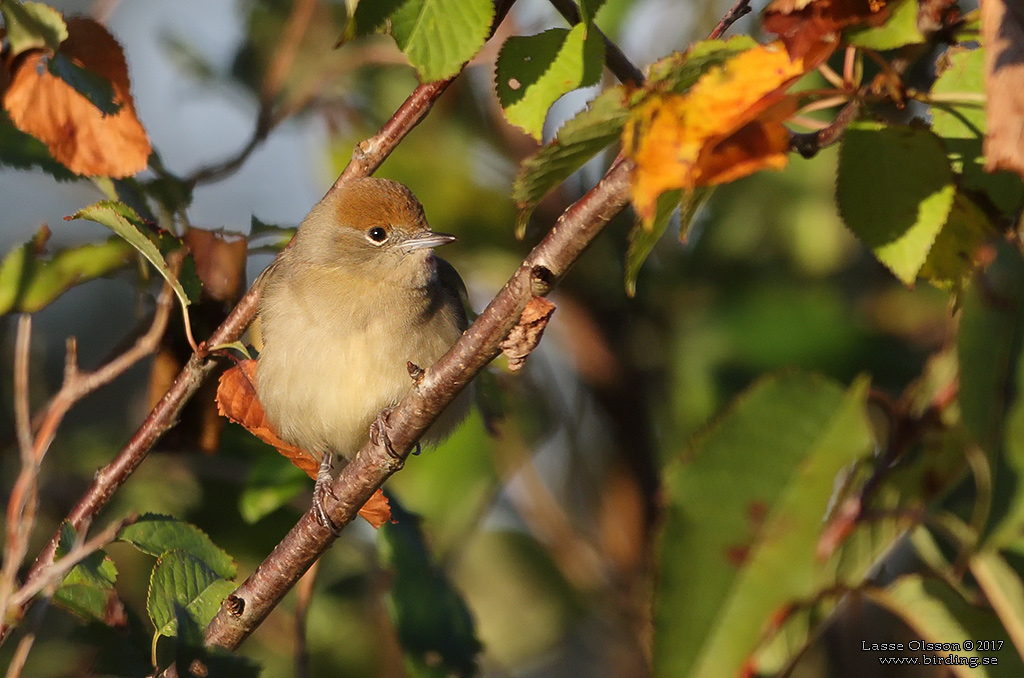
x,y
373,228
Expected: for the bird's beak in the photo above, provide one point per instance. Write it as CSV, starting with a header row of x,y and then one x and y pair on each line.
x,y
428,239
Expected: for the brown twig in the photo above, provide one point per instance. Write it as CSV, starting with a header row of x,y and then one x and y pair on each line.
x,y
618,63
735,13
385,454
808,144
22,503
77,384
266,120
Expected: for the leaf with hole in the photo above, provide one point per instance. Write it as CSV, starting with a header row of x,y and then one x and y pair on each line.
x,y
534,71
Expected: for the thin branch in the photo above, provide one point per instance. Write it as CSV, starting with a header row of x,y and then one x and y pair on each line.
x,y
266,120
367,157
22,414
735,13
618,63
20,655
77,384
808,144
22,503
284,54
250,604
49,582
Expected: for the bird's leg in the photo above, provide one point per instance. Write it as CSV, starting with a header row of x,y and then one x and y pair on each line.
x,y
321,489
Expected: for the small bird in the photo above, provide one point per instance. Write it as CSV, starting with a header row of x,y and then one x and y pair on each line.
x,y
357,297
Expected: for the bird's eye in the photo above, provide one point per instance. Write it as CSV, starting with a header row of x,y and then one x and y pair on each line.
x,y
377,234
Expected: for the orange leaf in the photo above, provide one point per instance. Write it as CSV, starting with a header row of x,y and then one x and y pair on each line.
x,y
376,510
1002,31
810,28
77,134
727,126
236,400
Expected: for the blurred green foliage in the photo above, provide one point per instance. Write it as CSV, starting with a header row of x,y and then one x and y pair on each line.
x,y
643,459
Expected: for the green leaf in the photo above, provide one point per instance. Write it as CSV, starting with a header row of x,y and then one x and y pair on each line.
x,y
895,191
962,127
370,16
1004,590
989,344
534,71
180,581
32,25
899,29
745,507
155,534
579,139
450,486
938,614
88,589
279,235
434,625
952,259
123,220
273,481
990,341
679,71
92,86
439,36
24,151
589,10
29,282
642,240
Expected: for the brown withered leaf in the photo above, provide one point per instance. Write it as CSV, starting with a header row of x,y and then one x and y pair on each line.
x,y
236,400
376,510
810,28
525,336
220,262
1002,33
76,133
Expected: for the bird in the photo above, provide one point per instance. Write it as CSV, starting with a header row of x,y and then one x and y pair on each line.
x,y
344,312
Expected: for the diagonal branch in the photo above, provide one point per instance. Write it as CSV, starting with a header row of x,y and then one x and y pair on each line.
x,y
250,604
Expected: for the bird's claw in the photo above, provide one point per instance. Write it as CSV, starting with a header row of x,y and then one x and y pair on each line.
x,y
379,434
321,489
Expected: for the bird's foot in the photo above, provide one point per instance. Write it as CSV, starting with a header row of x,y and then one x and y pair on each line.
x,y
379,432
321,489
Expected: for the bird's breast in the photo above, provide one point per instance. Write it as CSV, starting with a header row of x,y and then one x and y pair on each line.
x,y
333,359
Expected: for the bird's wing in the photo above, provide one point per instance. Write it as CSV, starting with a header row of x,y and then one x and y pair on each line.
x,y
452,282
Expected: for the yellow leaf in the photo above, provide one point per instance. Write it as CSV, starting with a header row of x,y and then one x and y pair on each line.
x,y
728,125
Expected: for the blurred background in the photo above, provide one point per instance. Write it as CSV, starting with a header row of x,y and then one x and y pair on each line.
x,y
545,523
